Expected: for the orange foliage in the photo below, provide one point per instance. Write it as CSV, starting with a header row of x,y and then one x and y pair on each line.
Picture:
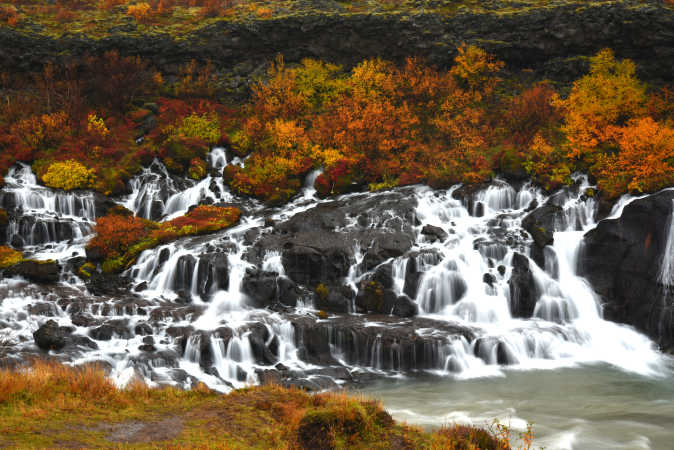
x,y
9,15
645,161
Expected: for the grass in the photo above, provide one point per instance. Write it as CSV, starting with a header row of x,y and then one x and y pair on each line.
x,y
52,405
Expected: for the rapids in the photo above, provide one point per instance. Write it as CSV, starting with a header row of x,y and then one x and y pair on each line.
x,y
185,316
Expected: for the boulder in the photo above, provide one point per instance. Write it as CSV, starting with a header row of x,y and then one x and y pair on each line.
x,y
36,271
434,233
50,336
337,299
523,290
541,223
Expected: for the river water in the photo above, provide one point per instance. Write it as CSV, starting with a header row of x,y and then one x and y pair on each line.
x,y
584,407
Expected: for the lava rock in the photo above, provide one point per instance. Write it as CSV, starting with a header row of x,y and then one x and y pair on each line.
x,y
523,290
622,259
434,233
36,271
50,336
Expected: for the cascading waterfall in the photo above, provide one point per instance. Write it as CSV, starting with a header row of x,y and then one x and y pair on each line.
x,y
666,276
191,321
45,222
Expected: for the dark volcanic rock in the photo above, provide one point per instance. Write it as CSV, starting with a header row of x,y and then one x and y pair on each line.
x,y
523,291
338,299
51,336
36,271
541,223
622,260
388,343
434,233
549,39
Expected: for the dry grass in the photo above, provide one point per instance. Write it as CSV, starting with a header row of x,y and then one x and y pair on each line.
x,y
51,405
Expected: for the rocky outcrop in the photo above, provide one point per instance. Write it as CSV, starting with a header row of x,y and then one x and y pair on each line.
x,y
380,342
51,336
541,223
622,259
523,291
36,271
548,38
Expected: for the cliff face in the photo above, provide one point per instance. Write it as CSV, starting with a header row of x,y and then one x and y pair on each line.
x,y
548,39
622,258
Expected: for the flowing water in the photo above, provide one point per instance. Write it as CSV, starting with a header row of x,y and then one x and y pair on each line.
x,y
585,382
584,407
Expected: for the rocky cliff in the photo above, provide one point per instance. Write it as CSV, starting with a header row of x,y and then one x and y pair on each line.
x,y
551,39
623,260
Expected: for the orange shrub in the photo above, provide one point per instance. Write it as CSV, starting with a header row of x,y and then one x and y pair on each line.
x,y
139,11
9,15
644,162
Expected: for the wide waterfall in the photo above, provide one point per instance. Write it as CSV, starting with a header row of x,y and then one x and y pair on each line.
x,y
466,296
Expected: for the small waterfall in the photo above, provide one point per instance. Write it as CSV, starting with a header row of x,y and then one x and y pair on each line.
x,y
498,196
666,276
155,194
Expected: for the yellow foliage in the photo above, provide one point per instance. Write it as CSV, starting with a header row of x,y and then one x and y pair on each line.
x,y
645,162
609,95
203,127
9,257
139,11
68,175
96,125
474,67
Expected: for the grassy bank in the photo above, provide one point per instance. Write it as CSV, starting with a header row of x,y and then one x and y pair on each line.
x,y
52,405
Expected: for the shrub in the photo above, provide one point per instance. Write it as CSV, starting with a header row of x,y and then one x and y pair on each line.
x,y
9,15
197,169
68,175
322,291
9,257
4,218
204,127
120,237
139,11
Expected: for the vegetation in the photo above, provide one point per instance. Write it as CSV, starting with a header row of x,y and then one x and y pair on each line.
x,y
121,236
68,175
99,18
385,126
52,405
9,257
94,124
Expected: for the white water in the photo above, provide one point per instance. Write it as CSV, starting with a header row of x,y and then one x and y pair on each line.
x,y
567,330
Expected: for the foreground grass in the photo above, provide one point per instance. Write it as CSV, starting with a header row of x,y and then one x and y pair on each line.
x,y
52,405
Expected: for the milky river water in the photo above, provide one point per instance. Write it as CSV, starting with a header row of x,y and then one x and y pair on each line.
x,y
586,407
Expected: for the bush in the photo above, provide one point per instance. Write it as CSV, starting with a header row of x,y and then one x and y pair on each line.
x,y
9,257
68,175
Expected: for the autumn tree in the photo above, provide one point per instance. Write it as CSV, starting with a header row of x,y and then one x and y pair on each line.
x,y
610,95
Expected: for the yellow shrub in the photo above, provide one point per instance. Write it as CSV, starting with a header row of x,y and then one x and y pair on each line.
x,y
201,127
96,125
9,257
68,175
139,11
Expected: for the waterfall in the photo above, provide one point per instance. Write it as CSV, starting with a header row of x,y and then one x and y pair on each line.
x,y
666,276
186,319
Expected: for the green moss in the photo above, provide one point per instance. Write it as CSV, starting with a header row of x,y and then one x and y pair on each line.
x,y
86,270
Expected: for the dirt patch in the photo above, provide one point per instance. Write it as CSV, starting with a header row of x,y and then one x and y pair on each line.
x,y
136,431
